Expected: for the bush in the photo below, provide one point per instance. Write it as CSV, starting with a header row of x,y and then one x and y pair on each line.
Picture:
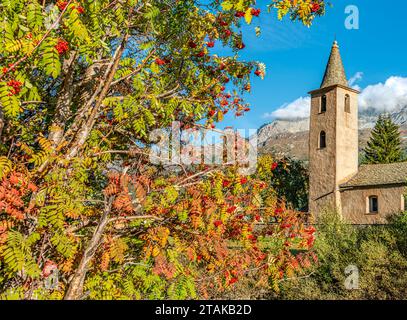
x,y
379,253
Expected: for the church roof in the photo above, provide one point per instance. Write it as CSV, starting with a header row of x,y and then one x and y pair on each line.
x,y
334,72
378,175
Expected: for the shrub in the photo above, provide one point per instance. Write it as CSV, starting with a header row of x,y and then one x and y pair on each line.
x,y
379,253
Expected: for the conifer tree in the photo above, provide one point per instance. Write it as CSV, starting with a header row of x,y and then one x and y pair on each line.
x,y
384,145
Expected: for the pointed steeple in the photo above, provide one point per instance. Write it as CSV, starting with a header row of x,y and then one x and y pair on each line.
x,y
334,72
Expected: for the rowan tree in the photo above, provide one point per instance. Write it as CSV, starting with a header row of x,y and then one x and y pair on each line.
x,y
82,85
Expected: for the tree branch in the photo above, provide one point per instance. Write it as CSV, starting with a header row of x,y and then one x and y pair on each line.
x,y
75,288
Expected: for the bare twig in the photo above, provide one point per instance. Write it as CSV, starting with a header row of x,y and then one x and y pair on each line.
x,y
131,218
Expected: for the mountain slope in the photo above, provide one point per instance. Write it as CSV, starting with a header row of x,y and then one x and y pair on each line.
x,y
290,137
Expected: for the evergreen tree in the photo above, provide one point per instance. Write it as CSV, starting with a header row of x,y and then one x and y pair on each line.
x,y
384,145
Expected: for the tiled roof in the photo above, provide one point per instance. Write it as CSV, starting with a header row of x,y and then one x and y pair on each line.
x,y
334,72
378,174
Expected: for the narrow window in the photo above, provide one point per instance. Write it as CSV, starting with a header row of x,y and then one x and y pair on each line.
x,y
404,202
322,140
323,104
347,103
373,204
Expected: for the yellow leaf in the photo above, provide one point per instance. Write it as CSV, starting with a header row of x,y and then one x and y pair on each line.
x,y
156,251
240,6
248,16
154,68
227,5
220,116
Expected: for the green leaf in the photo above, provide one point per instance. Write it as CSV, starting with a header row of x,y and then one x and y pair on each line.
x,y
9,102
50,60
227,5
34,15
155,68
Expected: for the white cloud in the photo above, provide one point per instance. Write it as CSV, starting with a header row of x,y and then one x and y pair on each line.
x,y
356,78
290,111
388,97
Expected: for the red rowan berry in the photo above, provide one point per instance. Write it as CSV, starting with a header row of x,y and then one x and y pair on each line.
x,y
62,4
62,46
210,44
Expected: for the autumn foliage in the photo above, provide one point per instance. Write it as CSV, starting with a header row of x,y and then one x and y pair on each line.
x,y
83,84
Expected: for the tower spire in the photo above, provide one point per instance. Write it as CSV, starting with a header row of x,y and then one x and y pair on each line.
x,y
334,72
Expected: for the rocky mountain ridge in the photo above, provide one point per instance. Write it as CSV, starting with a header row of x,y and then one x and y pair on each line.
x,y
290,137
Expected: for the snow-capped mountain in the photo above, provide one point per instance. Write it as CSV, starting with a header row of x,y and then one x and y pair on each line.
x,y
290,137
279,127
400,117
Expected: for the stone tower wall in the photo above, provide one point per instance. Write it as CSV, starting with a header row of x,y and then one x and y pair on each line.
x,y
322,161
333,165
347,142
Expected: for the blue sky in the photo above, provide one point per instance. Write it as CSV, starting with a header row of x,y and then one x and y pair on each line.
x,y
296,56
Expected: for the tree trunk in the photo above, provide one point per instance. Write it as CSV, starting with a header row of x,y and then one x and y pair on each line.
x,y
63,108
75,289
86,128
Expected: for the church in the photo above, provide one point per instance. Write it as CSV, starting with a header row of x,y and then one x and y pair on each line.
x,y
365,194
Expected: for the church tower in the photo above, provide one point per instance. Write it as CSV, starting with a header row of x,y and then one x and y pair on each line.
x,y
333,136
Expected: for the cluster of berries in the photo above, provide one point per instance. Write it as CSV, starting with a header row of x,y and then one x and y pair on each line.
x,y
259,73
231,209
226,33
315,6
159,61
192,44
255,12
62,5
16,87
210,44
223,23
62,46
278,210
162,62
80,9
201,53
218,223
10,68
211,113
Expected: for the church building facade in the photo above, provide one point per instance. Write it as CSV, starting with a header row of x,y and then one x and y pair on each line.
x,y
362,195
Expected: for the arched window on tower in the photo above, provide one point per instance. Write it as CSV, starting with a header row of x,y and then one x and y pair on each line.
x,y
322,140
323,104
347,103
